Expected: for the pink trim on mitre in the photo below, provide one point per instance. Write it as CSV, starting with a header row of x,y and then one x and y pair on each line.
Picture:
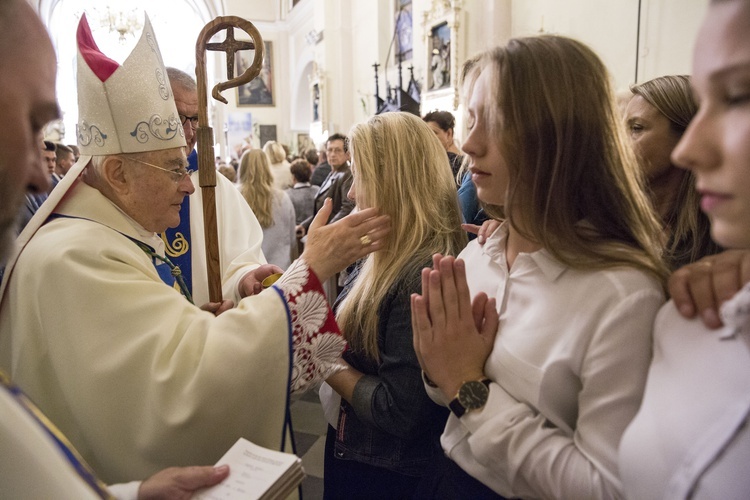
x,y
101,65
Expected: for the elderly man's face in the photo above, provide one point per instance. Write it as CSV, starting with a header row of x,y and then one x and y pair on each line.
x,y
187,105
154,196
27,77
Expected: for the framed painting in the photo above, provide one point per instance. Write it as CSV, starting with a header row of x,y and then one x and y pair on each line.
x,y
259,92
404,31
440,57
304,142
444,40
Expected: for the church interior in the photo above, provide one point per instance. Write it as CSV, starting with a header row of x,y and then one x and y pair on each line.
x,y
319,75
331,64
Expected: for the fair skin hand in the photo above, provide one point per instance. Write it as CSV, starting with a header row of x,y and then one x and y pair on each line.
x,y
484,231
330,248
703,286
252,282
453,335
217,308
177,483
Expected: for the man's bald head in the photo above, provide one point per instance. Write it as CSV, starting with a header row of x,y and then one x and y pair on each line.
x,y
27,77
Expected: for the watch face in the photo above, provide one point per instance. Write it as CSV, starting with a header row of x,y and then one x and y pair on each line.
x,y
473,395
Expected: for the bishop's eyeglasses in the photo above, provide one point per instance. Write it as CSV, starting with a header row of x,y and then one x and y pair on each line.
x,y
177,175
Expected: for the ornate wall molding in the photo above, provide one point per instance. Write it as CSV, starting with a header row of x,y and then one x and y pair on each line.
x,y
442,27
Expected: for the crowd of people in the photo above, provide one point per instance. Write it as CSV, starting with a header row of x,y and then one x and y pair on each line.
x,y
592,341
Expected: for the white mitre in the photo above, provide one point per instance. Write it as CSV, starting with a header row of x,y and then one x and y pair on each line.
x,y
126,108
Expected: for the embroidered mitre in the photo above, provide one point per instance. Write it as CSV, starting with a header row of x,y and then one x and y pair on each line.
x,y
126,108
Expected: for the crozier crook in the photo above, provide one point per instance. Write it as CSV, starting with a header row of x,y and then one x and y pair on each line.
x,y
206,166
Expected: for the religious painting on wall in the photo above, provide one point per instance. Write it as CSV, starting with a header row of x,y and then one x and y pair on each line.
x,y
316,102
439,75
239,133
303,143
259,92
404,31
266,133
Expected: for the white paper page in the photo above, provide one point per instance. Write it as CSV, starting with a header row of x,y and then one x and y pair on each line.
x,y
252,470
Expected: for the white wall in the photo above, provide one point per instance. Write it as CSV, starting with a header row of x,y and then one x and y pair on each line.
x,y
357,33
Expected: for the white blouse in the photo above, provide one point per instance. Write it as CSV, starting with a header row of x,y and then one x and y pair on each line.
x,y
568,370
690,438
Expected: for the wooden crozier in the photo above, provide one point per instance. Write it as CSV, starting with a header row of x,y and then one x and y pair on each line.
x,y
206,166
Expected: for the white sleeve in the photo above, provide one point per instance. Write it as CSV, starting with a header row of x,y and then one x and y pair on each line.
x,y
125,491
240,239
519,453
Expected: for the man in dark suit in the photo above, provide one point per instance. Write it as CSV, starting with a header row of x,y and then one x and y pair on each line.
x,y
321,168
336,185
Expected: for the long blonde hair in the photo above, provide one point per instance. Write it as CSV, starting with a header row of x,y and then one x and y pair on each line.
x,y
575,186
256,185
401,168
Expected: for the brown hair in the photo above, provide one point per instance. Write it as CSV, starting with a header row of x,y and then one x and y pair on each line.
x,y
689,228
575,187
300,170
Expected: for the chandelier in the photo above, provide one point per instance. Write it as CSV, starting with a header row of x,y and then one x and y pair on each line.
x,y
124,23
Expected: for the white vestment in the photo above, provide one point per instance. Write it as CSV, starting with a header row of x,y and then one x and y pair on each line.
x,y
137,377
240,239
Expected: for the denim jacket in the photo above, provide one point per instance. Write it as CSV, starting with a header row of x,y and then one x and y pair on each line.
x,y
391,423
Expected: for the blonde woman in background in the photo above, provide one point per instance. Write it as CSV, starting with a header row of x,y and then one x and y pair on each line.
x,y
282,177
388,428
271,206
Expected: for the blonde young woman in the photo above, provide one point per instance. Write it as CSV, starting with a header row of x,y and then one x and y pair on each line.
x,y
387,428
544,375
271,206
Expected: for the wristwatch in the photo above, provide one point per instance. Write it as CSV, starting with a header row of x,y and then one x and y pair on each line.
x,y
472,395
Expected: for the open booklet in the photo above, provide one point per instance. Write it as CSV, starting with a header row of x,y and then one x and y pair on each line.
x,y
256,473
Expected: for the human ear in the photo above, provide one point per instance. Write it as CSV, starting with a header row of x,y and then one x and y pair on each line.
x,y
115,174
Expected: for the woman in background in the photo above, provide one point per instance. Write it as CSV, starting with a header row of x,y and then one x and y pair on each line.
x,y
271,206
387,428
282,178
657,116
302,193
442,124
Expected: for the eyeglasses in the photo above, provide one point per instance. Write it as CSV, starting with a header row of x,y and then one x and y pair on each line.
x,y
176,175
193,120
